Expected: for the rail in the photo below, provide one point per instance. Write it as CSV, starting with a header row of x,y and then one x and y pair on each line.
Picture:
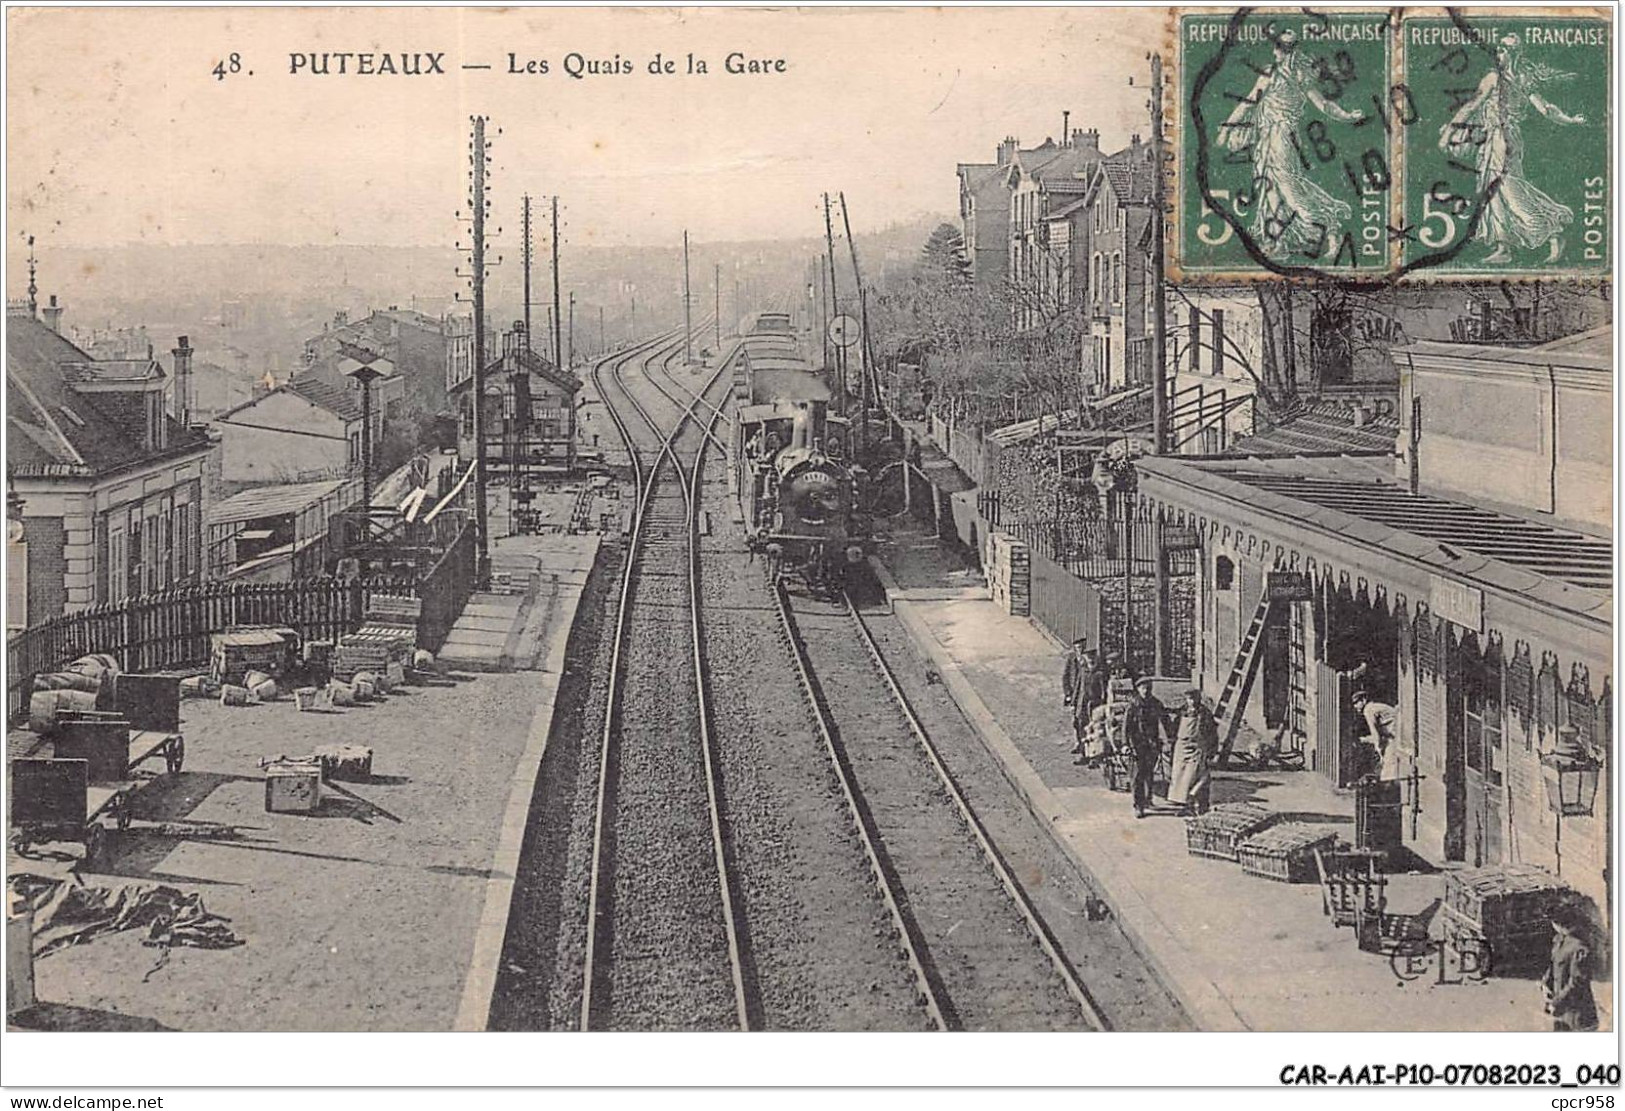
x,y
646,480
913,946
1035,925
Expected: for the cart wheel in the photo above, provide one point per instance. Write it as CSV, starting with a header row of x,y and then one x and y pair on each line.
x,y
95,844
175,756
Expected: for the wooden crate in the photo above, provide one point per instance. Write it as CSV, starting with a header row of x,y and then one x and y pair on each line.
x,y
233,654
1285,853
1351,887
1506,908
1217,833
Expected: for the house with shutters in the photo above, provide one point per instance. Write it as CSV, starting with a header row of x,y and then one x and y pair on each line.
x,y
113,477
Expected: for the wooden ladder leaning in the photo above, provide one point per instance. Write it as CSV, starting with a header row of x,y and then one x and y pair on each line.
x,y
1239,684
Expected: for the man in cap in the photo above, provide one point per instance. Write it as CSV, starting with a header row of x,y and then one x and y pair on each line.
x,y
1144,723
1072,676
1382,735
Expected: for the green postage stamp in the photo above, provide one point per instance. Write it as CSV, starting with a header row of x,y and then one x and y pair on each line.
x,y
1377,145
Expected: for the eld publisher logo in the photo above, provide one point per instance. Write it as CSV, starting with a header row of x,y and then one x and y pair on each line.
x,y
1451,962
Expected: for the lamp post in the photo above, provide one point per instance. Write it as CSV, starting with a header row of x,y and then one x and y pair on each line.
x,y
366,374
1571,774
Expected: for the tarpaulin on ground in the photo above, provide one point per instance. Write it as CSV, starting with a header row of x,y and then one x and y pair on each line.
x,y
69,913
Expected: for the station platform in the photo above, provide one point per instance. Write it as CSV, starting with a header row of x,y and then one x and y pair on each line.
x,y
1239,952
384,910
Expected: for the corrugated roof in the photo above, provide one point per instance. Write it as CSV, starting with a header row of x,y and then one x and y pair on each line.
x,y
1326,428
339,400
1355,499
271,501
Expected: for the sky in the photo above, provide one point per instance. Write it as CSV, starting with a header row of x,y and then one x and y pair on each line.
x,y
118,132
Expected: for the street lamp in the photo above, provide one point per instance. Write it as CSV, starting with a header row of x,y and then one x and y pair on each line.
x,y
366,374
1571,774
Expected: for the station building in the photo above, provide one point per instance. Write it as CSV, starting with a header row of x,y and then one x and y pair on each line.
x,y
1470,572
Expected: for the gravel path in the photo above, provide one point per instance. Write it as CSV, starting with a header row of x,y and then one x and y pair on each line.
x,y
820,943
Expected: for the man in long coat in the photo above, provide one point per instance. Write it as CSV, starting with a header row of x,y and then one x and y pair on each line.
x,y
1190,784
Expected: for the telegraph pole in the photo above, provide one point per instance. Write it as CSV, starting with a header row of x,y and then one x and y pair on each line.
x,y
558,350
834,303
570,351
717,283
863,308
688,319
602,346
1159,365
525,231
477,175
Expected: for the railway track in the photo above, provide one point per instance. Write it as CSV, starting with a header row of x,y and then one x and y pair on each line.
x,y
980,955
662,937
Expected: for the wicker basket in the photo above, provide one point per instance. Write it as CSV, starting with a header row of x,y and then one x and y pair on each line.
x,y
1218,832
1285,853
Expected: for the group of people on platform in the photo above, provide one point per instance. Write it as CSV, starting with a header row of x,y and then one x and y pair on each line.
x,y
1192,731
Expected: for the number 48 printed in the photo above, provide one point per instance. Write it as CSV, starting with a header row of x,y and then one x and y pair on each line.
x,y
231,63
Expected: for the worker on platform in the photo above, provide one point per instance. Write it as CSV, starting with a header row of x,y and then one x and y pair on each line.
x,y
1144,722
1382,735
1567,983
1190,783
1072,674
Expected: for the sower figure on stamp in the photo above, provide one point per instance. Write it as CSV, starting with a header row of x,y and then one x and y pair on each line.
x,y
1489,130
1293,213
1144,723
1567,983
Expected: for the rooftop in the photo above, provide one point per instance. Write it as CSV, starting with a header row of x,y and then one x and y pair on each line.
x,y
1326,428
51,425
271,501
1360,501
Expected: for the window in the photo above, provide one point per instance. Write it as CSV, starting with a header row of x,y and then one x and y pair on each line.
x,y
355,447
183,542
1195,319
117,564
133,564
1117,278
1481,717
1218,341
1224,573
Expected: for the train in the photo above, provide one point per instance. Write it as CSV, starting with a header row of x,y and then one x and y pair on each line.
x,y
801,495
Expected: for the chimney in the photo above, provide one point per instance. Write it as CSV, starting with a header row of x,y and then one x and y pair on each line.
x,y
341,318
1066,129
183,381
1007,150
53,315
1086,140
1134,141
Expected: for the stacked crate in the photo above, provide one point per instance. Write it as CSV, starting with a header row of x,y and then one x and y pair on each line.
x,y
1220,832
236,652
388,634
1286,852
1506,908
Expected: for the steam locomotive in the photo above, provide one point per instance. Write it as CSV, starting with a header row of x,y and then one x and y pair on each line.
x,y
800,494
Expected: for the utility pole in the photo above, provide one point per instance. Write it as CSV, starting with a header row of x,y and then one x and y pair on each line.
x,y
570,351
558,350
477,175
717,282
602,346
688,319
835,305
1159,364
525,232
863,306
823,309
